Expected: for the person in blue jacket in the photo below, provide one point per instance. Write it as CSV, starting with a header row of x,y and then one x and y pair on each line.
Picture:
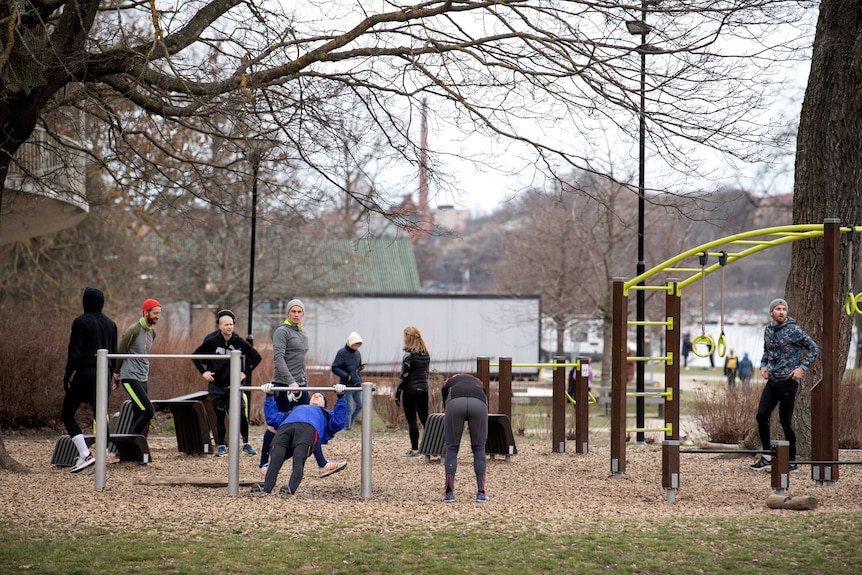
x,y
298,433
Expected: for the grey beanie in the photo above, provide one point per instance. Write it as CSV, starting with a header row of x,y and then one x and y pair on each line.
x,y
776,302
294,302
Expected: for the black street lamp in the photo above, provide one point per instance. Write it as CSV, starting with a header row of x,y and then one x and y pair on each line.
x,y
254,159
641,28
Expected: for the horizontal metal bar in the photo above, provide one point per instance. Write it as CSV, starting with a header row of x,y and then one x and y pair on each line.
x,y
166,356
314,389
726,451
827,462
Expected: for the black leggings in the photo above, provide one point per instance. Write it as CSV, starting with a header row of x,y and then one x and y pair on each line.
x,y
141,405
474,411
783,394
82,390
296,440
415,403
221,403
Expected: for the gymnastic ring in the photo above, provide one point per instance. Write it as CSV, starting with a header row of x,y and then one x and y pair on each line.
x,y
856,301
707,341
721,346
848,303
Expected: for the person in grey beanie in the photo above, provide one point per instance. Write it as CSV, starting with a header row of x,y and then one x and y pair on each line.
x,y
787,353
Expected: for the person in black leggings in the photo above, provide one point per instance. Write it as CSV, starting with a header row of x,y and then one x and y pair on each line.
x,y
464,400
413,385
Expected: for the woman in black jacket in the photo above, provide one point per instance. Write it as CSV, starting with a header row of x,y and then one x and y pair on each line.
x,y
413,385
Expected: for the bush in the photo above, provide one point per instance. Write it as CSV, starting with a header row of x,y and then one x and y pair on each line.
x,y
726,416
32,361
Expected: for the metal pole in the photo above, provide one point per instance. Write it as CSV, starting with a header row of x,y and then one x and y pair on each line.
x,y
102,382
235,407
255,164
365,440
641,265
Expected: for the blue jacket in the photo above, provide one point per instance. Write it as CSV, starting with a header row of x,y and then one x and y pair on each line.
x,y
327,422
783,346
346,366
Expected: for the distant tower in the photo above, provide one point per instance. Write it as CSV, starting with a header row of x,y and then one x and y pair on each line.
x,y
424,210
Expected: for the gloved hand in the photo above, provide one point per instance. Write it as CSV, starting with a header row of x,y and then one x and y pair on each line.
x,y
267,388
398,400
339,389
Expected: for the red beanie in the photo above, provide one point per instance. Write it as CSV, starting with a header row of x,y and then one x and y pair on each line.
x,y
150,304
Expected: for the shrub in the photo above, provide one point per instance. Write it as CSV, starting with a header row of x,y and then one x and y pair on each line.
x,y
726,416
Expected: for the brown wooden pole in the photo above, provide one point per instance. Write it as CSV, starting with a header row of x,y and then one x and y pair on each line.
x,y
558,406
582,406
504,387
824,396
483,373
780,465
670,446
618,378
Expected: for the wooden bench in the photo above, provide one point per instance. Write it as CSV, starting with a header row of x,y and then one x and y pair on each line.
x,y
500,441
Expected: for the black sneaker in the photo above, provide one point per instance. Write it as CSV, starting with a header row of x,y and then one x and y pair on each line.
x,y
258,488
762,464
794,468
285,491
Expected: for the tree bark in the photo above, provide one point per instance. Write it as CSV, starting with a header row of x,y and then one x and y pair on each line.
x,y
7,462
828,177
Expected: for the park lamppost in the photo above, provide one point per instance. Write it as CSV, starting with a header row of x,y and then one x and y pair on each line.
x,y
254,160
641,28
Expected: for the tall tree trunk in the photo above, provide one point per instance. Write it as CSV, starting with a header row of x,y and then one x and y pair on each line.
x,y
828,178
7,462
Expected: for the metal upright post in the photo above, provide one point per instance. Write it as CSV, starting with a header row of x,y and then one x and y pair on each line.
x,y
235,407
367,417
102,382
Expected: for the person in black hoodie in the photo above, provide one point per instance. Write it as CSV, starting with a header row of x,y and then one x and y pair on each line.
x,y
91,331
413,385
217,375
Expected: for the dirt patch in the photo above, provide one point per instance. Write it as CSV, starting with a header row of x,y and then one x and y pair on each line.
x,y
547,488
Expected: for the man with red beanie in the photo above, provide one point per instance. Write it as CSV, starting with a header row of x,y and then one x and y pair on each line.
x,y
133,373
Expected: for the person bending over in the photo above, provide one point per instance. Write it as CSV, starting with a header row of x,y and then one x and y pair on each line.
x,y
464,400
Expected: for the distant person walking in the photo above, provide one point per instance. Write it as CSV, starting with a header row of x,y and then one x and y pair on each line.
x,y
746,370
731,364
464,400
686,348
217,375
133,373
412,388
91,331
787,353
348,366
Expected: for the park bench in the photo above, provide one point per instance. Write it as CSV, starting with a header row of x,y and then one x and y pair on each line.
x,y
500,441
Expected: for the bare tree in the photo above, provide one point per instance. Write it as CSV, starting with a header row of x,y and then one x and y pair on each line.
x,y
828,176
498,68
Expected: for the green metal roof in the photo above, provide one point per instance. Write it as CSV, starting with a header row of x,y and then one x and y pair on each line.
x,y
367,265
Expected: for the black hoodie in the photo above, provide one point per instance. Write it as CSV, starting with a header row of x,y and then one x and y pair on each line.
x,y
91,331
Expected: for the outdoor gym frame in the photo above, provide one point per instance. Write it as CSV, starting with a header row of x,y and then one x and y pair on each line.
x,y
235,358
824,395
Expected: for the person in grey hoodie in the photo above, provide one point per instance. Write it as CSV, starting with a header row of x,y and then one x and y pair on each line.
x,y
91,331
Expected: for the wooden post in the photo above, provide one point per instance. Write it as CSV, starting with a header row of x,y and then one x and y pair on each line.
x,y
504,387
483,373
618,378
558,406
824,396
780,465
582,406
